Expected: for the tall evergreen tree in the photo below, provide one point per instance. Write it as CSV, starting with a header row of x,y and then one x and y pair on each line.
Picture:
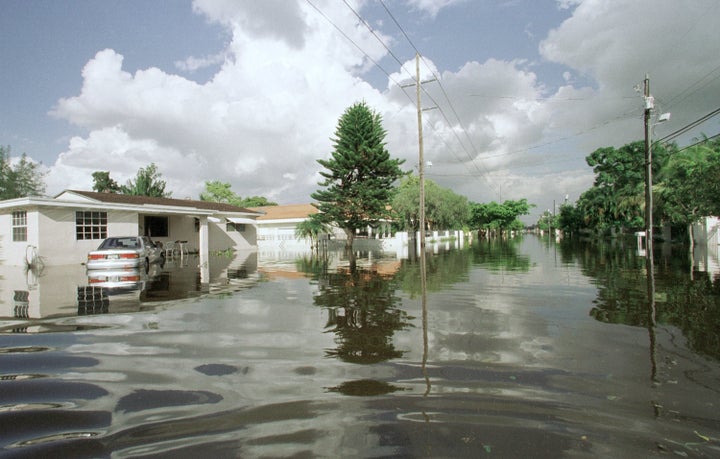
x,y
360,174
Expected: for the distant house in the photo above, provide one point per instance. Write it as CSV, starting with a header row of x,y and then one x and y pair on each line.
x,y
61,230
276,227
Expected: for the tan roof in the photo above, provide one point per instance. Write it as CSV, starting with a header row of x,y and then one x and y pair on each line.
x,y
285,212
117,198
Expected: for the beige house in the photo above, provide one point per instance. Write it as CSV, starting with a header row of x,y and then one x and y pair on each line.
x,y
63,229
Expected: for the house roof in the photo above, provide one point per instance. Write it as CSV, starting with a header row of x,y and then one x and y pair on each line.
x,y
115,198
287,212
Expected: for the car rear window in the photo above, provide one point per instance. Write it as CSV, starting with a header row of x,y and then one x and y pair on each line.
x,y
119,243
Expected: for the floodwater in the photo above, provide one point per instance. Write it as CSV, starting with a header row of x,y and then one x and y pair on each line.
x,y
520,348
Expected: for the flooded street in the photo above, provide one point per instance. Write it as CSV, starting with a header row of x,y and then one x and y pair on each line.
x,y
520,348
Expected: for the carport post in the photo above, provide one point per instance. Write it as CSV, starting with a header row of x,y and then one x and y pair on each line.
x,y
204,249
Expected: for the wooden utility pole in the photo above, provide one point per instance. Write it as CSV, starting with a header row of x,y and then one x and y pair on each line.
x,y
649,104
421,156
649,259
423,262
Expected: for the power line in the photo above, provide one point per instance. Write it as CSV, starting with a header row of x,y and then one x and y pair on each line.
x,y
347,37
442,88
686,128
553,98
478,173
400,63
697,143
695,87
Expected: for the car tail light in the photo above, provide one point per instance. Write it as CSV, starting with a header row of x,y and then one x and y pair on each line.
x,y
129,278
96,256
129,255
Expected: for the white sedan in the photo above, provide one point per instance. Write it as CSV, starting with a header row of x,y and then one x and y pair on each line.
x,y
126,252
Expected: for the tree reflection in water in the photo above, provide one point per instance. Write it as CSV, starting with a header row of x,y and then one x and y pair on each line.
x,y
686,299
365,387
363,313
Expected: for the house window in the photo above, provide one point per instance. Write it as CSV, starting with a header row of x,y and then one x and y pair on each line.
x,y
239,227
90,225
156,226
19,226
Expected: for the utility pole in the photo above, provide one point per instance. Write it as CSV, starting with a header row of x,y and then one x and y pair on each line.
x,y
421,156
649,105
423,262
649,260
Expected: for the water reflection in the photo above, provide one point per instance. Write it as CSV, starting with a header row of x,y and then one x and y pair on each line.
x,y
501,255
363,313
71,290
318,360
365,388
680,296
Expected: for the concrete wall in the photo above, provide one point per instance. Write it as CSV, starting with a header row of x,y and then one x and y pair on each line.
x,y
239,240
52,232
58,244
12,253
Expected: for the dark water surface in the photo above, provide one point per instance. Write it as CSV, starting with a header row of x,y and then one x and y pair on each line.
x,y
529,349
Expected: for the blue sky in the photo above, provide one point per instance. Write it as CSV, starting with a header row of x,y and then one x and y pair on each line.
x,y
249,92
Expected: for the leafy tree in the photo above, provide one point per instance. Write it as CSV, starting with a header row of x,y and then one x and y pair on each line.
x,y
617,197
147,183
102,183
494,217
21,179
687,185
359,176
217,191
256,201
570,219
547,221
444,209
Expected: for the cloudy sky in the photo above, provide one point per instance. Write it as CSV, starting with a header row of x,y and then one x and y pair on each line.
x,y
249,92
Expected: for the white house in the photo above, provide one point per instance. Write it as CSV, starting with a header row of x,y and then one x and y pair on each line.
x,y
276,227
61,230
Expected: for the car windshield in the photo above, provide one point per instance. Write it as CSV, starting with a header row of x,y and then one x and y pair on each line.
x,y
119,243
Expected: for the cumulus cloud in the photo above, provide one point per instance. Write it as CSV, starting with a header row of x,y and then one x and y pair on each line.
x,y
567,4
432,7
192,64
260,123
614,44
269,112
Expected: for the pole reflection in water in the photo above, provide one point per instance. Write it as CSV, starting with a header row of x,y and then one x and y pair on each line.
x,y
650,268
423,287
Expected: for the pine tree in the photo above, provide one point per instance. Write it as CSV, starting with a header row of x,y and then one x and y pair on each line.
x,y
360,175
